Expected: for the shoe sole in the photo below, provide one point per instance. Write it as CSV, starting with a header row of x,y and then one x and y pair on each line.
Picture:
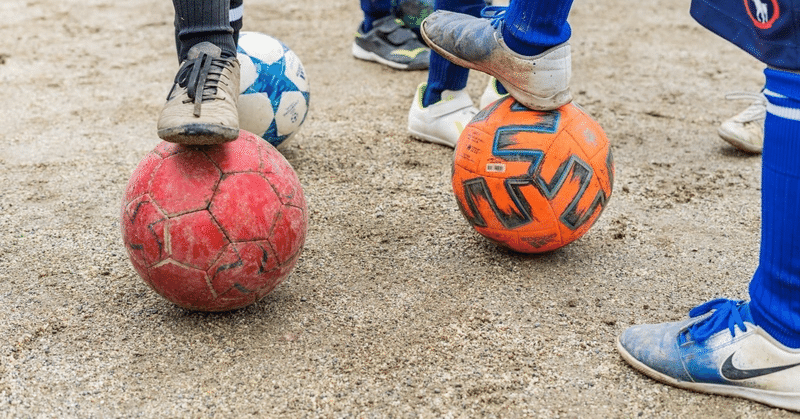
x,y
199,134
731,139
365,55
528,99
771,398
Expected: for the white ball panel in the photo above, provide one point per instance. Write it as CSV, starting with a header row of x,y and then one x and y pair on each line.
x,y
255,113
295,72
291,112
261,46
248,73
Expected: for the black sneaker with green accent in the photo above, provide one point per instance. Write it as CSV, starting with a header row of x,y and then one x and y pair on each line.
x,y
393,44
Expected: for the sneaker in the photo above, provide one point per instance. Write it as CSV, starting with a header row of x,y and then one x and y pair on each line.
x,y
492,93
720,352
201,108
540,82
745,130
392,44
443,121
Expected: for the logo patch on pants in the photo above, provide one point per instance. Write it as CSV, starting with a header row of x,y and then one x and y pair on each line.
x,y
763,13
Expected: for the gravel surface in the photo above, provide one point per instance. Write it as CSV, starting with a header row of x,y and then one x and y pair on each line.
x,y
397,308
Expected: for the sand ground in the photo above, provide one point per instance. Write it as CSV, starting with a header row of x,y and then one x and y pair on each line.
x,y
396,308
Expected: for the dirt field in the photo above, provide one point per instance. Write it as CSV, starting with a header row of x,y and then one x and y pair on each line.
x,y
396,308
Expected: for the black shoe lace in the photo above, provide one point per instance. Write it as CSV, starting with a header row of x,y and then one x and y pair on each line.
x,y
200,77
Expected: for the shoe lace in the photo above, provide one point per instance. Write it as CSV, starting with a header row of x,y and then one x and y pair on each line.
x,y
757,109
495,14
200,75
726,314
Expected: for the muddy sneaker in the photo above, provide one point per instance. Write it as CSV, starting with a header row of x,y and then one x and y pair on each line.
x,y
494,91
745,130
201,108
392,44
540,82
720,353
443,121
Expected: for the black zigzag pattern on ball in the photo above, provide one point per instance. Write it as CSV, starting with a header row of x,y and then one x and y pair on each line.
x,y
476,189
570,169
484,113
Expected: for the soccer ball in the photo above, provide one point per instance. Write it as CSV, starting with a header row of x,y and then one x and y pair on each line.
x,y
273,89
532,181
214,228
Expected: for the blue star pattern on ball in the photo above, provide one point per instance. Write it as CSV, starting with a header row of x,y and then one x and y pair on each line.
x,y
274,94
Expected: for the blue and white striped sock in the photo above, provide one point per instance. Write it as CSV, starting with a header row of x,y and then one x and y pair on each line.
x,y
775,288
236,16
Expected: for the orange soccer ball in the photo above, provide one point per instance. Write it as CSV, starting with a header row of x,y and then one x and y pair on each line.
x,y
532,181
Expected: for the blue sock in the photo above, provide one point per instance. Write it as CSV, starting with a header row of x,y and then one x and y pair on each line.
x,y
374,10
442,74
531,27
500,88
775,288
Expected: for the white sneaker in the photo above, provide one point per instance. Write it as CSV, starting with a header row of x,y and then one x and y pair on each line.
x,y
443,121
491,94
745,130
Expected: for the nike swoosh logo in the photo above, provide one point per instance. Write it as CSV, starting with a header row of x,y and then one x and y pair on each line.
x,y
729,372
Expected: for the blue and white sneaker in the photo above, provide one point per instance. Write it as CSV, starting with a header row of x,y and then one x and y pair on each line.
x,y
540,82
720,351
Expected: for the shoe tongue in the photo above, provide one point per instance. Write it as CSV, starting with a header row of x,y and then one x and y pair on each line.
x,y
206,48
744,311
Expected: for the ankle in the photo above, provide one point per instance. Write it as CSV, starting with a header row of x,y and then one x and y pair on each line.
x,y
431,96
521,47
224,42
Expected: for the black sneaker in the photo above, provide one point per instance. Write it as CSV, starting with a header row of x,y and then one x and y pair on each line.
x,y
392,44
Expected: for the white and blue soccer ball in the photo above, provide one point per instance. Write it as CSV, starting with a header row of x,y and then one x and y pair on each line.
x,y
273,92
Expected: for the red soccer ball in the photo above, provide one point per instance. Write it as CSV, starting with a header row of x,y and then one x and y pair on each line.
x,y
214,228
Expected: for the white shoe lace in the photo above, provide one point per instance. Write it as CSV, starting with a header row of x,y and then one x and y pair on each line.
x,y
757,109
